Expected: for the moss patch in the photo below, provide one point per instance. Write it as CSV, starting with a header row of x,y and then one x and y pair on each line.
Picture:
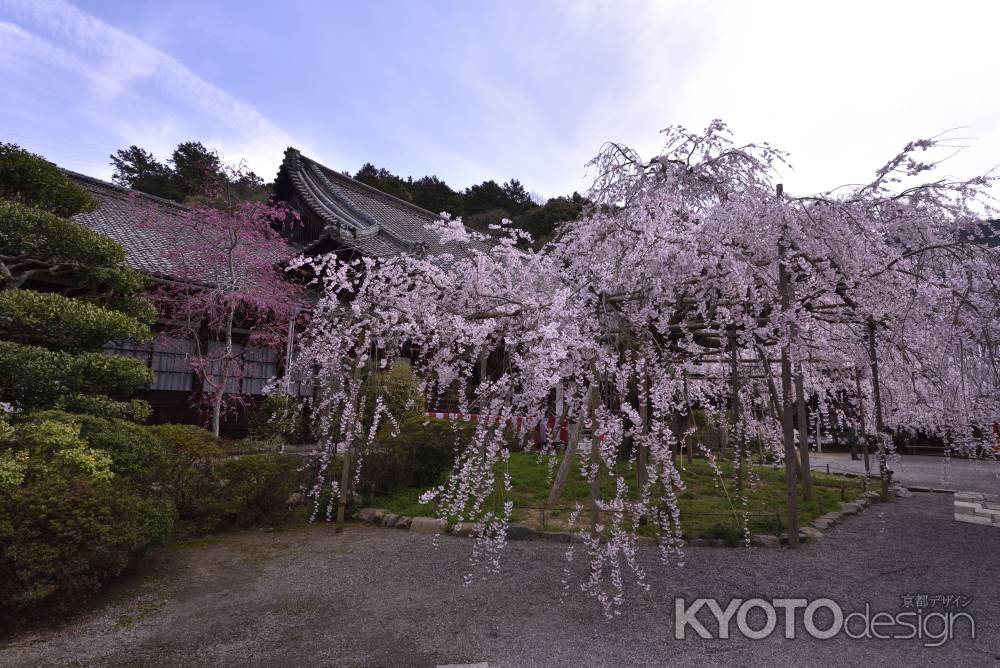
x,y
711,506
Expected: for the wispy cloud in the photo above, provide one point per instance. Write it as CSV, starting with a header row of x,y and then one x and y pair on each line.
x,y
501,89
118,65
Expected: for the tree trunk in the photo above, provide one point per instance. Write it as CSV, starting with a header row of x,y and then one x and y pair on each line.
x,y
560,421
576,431
217,405
345,472
787,404
227,359
482,408
774,402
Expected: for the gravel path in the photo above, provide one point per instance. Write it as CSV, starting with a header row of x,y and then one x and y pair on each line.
x,y
379,597
954,473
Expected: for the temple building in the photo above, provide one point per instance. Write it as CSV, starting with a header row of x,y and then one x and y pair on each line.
x,y
338,214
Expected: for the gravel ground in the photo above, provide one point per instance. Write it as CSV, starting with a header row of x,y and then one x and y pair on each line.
x,y
380,597
954,473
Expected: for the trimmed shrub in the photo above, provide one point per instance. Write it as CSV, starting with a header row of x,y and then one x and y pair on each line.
x,y
50,319
418,456
62,537
55,446
30,178
255,490
134,450
188,473
33,376
400,391
135,410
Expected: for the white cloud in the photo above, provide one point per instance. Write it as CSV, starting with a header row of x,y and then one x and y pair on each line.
x,y
842,86
119,65
532,90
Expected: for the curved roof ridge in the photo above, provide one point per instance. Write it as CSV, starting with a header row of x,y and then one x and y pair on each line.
x,y
365,224
376,223
370,190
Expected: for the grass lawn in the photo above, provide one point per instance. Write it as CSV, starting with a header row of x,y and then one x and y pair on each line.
x,y
710,506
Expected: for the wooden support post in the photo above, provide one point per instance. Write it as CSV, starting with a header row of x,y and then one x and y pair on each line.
x,y
642,460
800,404
880,435
345,483
595,457
688,439
734,372
864,426
819,428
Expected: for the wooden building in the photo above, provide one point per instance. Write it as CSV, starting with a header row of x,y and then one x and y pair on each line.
x,y
338,214
342,215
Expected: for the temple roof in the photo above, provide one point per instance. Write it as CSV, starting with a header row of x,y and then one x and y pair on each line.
x,y
115,217
361,217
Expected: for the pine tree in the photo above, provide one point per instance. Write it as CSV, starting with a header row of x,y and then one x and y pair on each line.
x,y
65,290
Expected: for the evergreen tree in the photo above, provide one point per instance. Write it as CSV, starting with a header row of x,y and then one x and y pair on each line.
x,y
136,168
193,174
64,291
197,170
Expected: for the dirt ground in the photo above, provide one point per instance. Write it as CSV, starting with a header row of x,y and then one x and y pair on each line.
x,y
381,597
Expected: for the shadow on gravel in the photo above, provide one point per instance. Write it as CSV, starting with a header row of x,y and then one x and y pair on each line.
x,y
378,597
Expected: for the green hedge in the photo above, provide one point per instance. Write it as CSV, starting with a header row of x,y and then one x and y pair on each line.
x,y
135,410
212,492
51,319
422,451
67,525
63,536
32,375
135,451
29,178
255,490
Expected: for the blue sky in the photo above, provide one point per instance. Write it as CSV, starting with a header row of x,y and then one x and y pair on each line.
x,y
475,90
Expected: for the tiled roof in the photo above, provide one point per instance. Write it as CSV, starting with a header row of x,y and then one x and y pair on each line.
x,y
361,217
115,217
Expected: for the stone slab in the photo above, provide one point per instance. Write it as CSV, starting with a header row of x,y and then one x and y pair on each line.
x,y
428,525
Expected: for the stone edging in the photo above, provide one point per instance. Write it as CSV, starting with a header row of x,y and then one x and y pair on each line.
x,y
977,508
433,525
436,526
815,531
